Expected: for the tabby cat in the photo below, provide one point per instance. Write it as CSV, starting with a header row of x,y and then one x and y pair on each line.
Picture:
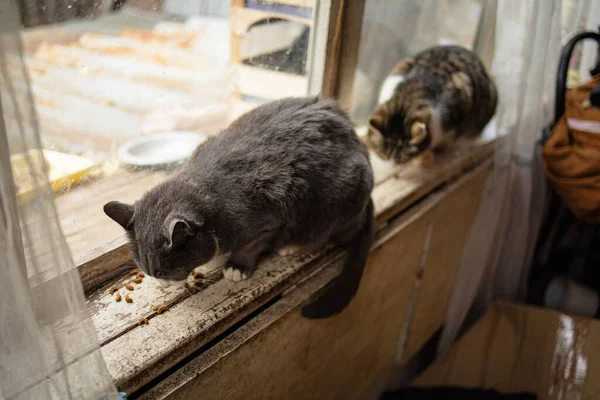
x,y
429,101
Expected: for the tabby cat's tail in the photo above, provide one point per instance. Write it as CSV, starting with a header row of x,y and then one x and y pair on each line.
x,y
339,293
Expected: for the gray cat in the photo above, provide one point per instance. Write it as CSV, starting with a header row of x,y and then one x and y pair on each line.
x,y
290,175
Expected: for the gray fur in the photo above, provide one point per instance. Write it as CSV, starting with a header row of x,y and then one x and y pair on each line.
x,y
290,172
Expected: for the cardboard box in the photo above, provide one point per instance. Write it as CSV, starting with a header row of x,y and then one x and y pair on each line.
x,y
517,348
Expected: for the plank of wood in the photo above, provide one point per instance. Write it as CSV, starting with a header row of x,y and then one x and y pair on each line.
x,y
342,50
247,333
199,318
236,46
413,181
317,359
144,352
105,89
449,237
295,3
84,222
349,49
82,218
243,18
98,244
267,84
147,296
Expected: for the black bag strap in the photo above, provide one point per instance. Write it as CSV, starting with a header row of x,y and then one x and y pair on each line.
x,y
563,69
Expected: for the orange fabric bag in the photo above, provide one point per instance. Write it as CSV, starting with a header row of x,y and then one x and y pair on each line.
x,y
571,155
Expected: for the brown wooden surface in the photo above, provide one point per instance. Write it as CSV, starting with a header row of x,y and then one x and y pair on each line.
x,y
90,234
250,81
132,355
243,18
282,355
295,3
97,243
443,264
516,348
87,229
343,41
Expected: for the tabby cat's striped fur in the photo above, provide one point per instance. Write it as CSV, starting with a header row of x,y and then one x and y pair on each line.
x,y
428,101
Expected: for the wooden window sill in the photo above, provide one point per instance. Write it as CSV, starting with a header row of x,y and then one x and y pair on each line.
x,y
135,355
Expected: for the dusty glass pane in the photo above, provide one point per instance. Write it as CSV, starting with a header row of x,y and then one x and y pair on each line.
x,y
393,30
104,73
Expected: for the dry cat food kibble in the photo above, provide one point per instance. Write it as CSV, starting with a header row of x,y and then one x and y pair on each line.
x,y
118,298
197,275
143,321
154,308
162,309
141,275
129,286
137,280
113,289
128,299
135,272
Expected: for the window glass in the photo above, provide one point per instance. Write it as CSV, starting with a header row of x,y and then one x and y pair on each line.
x,y
125,88
393,30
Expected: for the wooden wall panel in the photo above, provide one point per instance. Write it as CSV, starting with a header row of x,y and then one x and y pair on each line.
x,y
343,357
453,220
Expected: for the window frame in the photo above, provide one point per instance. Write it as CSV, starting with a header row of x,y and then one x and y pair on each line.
x,y
335,55
332,58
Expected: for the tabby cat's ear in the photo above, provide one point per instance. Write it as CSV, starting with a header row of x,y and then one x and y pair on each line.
x,y
418,133
180,228
121,213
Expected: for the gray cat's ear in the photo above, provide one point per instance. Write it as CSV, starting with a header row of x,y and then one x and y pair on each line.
x,y
179,229
121,213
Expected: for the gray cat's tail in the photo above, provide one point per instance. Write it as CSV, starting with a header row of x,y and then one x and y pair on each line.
x,y
339,293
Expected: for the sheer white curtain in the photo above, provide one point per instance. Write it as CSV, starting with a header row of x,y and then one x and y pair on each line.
x,y
48,344
497,257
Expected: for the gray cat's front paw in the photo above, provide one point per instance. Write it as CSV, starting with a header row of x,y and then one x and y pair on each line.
x,y
235,272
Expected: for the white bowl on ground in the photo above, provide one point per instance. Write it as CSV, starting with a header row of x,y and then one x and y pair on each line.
x,y
162,150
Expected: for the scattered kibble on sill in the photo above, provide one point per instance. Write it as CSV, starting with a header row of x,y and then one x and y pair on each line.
x,y
197,275
138,278
162,309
